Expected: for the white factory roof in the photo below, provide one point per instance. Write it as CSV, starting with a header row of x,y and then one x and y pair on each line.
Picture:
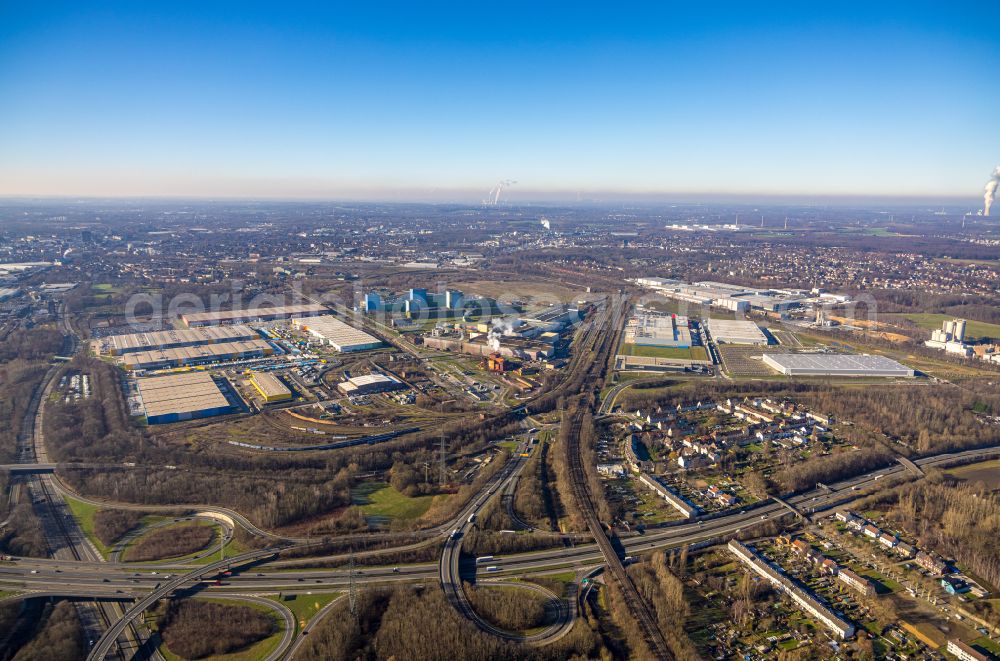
x,y
736,331
836,364
368,379
173,338
658,328
336,332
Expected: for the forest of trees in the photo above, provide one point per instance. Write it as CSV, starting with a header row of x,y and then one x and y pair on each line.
x,y
195,629
111,525
18,380
801,475
170,542
24,534
535,498
663,590
408,623
60,636
511,609
960,521
927,420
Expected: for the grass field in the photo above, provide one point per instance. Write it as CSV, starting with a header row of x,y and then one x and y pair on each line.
x,y
682,353
84,513
930,321
305,606
987,472
381,500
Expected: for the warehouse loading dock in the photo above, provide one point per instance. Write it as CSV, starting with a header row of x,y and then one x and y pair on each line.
x,y
196,319
116,345
196,355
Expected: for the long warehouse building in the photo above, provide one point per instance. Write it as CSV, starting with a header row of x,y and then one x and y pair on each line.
x,y
199,355
736,331
270,387
337,334
825,364
116,345
218,318
179,397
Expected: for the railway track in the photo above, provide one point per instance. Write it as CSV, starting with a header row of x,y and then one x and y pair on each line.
x,y
97,616
602,345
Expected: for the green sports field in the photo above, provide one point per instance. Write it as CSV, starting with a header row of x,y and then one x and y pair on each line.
x,y
682,353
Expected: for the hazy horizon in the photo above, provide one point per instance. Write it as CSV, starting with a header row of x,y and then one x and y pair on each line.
x,y
431,103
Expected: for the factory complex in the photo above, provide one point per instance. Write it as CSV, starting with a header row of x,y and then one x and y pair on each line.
x,y
532,337
196,319
660,341
655,329
951,338
735,331
813,364
195,355
736,298
335,333
116,345
181,397
414,300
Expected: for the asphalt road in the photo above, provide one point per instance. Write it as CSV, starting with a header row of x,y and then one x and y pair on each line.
x,y
84,578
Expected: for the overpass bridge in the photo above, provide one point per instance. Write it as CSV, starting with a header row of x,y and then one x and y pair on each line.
x,y
105,645
910,466
28,469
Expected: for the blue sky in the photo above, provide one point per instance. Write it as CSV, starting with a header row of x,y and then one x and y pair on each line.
x,y
440,101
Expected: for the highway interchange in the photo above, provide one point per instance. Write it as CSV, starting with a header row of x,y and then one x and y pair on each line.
x,y
147,582
112,595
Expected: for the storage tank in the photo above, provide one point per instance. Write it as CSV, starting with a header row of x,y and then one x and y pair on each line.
x,y
960,330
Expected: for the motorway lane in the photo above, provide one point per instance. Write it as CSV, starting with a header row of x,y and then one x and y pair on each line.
x,y
103,647
90,575
62,531
450,578
670,535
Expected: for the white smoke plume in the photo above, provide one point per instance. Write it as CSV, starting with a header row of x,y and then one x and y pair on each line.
x,y
500,328
991,191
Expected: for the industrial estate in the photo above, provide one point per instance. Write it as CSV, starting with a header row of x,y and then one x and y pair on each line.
x,y
476,332
646,452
